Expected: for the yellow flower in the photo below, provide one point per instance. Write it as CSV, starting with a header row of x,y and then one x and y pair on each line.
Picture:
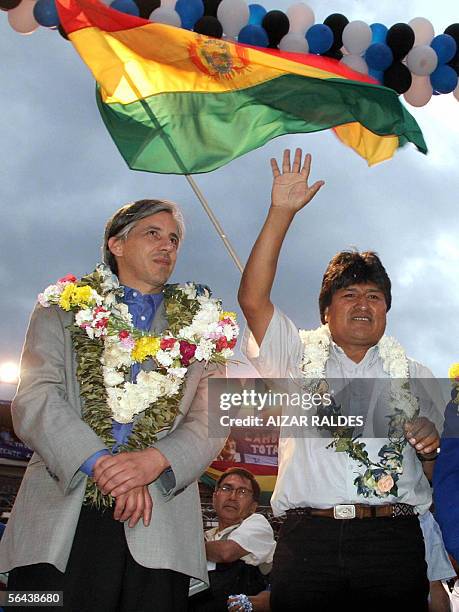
x,y
453,372
146,346
75,296
228,315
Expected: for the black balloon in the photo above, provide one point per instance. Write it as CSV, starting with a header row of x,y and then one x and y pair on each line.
x,y
398,77
210,26
454,63
334,53
62,32
400,38
336,22
146,7
453,30
210,7
276,24
7,5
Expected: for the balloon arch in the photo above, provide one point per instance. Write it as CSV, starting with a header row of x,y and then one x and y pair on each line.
x,y
407,57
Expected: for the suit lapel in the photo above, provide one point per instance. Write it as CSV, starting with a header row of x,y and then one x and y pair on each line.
x,y
159,323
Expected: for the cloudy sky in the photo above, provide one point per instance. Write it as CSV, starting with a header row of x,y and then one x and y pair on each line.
x,y
61,177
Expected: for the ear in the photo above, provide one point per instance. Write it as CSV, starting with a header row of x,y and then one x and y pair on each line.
x,y
115,246
326,314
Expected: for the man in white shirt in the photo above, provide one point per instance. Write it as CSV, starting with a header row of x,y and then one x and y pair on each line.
x,y
240,549
375,561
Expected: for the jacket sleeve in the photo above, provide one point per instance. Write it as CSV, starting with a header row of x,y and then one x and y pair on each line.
x,y
196,441
46,409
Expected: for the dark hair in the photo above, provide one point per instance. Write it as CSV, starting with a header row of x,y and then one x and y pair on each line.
x,y
243,474
349,268
121,223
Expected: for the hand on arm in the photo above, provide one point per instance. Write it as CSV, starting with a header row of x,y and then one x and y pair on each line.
x,y
134,505
119,474
290,193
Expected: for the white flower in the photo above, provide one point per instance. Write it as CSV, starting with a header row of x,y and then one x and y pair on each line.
x,y
177,372
112,377
83,317
189,290
204,350
228,331
50,295
164,358
226,353
115,354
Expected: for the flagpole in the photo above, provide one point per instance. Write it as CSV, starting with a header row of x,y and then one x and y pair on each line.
x,y
210,213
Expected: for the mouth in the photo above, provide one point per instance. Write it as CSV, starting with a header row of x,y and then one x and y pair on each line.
x,y
361,318
231,506
164,261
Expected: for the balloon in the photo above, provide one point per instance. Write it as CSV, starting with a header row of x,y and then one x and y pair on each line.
x,y
166,16
146,7
423,32
233,15
379,56
379,33
420,91
337,22
422,60
400,38
355,62
210,26
211,7
62,32
453,30
21,18
334,53
398,77
170,4
256,14
124,6
320,38
253,35
190,11
301,17
444,79
445,47
294,42
7,5
378,75
357,37
45,13
277,25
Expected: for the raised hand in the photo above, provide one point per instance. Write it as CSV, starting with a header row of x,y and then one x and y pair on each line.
x,y
290,187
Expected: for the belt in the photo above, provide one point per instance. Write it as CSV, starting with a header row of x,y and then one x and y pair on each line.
x,y
350,511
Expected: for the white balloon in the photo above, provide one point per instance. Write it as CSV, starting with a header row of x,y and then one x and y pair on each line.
x,y
168,3
420,91
456,93
233,15
355,62
167,16
21,18
422,60
294,42
423,31
301,17
357,37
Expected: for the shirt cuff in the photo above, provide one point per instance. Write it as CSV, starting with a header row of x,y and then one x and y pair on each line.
x,y
88,466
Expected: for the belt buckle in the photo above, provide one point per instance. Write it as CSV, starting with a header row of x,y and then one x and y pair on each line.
x,y
344,511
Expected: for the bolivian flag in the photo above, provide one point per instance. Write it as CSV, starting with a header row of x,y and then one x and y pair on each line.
x,y
178,102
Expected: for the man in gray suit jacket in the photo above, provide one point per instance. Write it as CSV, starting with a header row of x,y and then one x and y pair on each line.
x,y
139,554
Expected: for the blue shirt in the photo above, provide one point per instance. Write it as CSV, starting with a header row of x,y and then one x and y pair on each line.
x,y
143,309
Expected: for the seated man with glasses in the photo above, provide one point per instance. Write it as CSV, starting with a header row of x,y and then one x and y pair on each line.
x,y
240,549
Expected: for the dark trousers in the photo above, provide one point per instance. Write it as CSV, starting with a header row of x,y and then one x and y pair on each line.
x,y
324,564
102,576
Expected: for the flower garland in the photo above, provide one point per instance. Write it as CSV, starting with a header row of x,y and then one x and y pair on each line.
x,y
380,478
107,345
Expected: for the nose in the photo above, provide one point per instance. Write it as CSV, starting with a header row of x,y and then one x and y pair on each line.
x,y
362,301
167,245
233,493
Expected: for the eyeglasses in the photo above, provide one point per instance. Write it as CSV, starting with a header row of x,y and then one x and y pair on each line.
x,y
240,491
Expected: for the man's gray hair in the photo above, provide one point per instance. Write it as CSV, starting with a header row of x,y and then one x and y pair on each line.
x,y
121,223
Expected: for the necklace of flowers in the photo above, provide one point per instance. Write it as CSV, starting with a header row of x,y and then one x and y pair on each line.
x,y
380,478
107,344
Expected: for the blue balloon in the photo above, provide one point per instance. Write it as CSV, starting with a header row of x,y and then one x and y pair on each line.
x,y
444,79
376,74
320,38
190,12
125,6
379,56
379,33
45,13
445,47
257,12
253,35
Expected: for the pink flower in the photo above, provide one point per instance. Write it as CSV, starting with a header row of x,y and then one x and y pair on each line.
x,y
187,352
222,343
68,278
168,343
385,483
